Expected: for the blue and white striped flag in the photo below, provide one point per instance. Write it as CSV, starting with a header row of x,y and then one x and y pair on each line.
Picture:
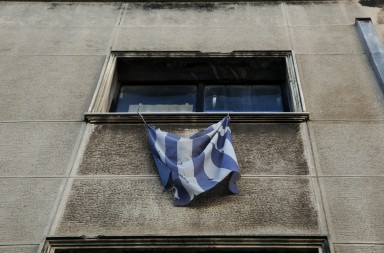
x,y
193,165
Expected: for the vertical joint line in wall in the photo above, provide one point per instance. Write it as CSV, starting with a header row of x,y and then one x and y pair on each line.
x,y
286,21
122,13
312,149
115,30
55,211
315,164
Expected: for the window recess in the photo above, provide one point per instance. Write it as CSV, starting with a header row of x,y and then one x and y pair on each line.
x,y
187,244
194,86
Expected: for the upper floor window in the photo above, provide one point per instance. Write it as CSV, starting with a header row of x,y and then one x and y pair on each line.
x,y
194,84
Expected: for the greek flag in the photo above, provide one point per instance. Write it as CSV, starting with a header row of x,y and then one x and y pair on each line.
x,y
193,165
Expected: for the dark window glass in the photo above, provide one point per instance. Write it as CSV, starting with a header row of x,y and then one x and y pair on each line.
x,y
157,98
243,98
201,84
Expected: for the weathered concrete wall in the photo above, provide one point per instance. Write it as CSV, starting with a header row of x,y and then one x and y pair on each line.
x,y
346,106
262,149
51,55
141,207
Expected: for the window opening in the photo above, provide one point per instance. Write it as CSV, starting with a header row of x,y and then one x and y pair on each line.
x,y
197,85
201,84
188,244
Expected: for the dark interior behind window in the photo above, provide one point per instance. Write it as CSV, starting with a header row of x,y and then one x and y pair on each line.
x,y
198,84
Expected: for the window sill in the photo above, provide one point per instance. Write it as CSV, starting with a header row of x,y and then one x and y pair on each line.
x,y
120,244
196,117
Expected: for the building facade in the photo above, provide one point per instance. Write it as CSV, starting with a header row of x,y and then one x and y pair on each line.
x,y
64,175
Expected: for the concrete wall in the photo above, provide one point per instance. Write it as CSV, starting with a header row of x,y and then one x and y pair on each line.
x,y
60,176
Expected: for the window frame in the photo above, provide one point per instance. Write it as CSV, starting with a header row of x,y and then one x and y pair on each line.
x,y
311,244
98,111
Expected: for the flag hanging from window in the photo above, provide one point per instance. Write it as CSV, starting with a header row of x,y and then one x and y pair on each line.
x,y
193,165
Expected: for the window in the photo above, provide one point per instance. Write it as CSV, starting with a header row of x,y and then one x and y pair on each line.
x,y
187,244
251,86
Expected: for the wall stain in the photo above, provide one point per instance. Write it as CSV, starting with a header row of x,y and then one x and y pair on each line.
x,y
196,6
56,5
200,7
372,3
375,4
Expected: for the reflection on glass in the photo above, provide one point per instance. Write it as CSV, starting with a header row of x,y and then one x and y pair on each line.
x,y
243,98
157,98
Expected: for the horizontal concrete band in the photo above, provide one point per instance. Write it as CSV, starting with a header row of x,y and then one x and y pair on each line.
x,y
140,207
260,149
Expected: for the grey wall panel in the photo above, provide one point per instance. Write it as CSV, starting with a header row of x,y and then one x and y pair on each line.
x,y
117,150
349,148
203,15
358,248
138,206
209,39
54,40
270,149
49,14
26,204
323,13
325,40
354,208
262,149
340,87
36,149
19,249
47,87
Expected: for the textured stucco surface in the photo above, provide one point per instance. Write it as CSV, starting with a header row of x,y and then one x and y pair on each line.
x,y
355,208
340,87
325,40
110,150
261,149
211,27
129,206
349,148
327,13
25,208
47,87
53,14
208,39
270,149
36,148
17,249
54,40
51,55
340,248
203,15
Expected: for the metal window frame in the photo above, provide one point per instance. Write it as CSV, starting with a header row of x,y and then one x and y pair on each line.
x,y
98,111
317,244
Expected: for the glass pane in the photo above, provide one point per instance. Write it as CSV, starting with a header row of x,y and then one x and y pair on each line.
x,y
243,98
157,98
